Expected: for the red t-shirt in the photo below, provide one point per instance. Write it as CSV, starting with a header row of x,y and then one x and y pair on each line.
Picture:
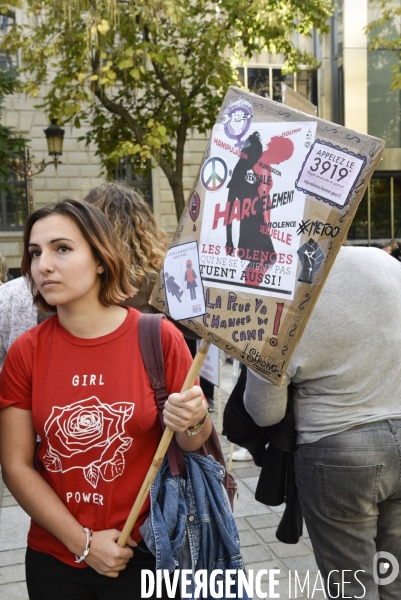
x,y
95,412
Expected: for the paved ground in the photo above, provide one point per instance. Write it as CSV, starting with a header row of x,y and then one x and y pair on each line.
x,y
257,525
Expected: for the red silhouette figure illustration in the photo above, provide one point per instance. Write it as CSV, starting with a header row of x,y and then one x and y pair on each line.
x,y
190,278
249,190
173,287
278,150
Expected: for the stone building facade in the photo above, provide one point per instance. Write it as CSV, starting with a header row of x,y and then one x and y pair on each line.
x,y
348,88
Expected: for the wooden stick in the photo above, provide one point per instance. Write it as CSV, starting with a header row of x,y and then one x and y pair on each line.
x,y
230,458
161,449
219,406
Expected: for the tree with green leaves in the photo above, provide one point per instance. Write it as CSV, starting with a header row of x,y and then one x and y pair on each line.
x,y
11,146
384,34
142,73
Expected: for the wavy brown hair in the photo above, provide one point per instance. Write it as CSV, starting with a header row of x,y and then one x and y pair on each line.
x,y
98,232
143,243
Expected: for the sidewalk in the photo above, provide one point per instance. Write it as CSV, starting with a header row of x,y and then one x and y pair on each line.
x,y
257,525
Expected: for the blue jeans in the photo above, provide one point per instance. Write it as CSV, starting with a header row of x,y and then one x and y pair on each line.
x,y
350,489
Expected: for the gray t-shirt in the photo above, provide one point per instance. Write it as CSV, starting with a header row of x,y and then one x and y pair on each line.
x,y
17,313
346,369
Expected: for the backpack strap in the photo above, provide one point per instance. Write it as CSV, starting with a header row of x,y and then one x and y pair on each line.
x,y
153,360
150,342
152,355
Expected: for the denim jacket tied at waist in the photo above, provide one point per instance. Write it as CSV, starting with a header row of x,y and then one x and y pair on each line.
x,y
190,524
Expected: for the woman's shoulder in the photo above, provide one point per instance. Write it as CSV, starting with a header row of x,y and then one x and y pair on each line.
x,y
170,331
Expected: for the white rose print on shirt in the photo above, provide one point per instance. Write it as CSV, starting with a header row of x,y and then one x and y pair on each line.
x,y
88,435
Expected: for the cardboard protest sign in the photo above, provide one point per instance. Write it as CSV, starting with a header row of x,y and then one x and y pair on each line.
x,y
269,210
291,98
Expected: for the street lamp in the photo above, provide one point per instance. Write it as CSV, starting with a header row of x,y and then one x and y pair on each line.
x,y
54,137
29,168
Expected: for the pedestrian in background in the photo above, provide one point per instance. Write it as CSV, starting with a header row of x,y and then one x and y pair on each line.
x,y
142,242
3,269
395,249
392,248
386,247
18,313
347,405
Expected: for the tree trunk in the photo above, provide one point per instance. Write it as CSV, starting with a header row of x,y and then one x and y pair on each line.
x,y
178,194
175,178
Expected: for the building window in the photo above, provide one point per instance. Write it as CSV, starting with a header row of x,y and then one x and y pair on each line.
x,y
359,230
396,194
13,203
379,200
258,81
378,218
306,84
13,190
384,105
337,71
266,81
139,179
7,22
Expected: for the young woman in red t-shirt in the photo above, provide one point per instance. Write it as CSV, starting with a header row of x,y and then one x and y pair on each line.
x,y
78,381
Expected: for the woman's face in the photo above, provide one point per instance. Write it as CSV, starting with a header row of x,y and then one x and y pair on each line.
x,y
63,266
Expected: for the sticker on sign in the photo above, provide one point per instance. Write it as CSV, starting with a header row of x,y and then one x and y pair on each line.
x,y
330,173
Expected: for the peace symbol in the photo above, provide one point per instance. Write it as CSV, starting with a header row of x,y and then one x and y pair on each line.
x,y
214,174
